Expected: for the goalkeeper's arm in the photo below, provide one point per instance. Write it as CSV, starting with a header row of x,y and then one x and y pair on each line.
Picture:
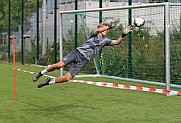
x,y
101,29
125,32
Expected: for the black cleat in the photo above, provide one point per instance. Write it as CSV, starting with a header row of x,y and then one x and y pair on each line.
x,y
36,77
46,82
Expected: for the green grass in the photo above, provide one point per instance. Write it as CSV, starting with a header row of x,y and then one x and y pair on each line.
x,y
80,103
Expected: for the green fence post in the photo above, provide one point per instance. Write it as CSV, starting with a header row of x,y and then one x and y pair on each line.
x,y
129,42
55,31
22,32
37,32
76,25
9,28
99,64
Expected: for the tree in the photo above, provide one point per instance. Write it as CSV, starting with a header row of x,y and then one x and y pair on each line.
x,y
29,8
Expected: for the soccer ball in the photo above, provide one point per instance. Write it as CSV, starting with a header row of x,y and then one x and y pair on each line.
x,y
139,21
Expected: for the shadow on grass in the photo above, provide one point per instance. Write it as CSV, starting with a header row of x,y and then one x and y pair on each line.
x,y
67,106
59,108
64,112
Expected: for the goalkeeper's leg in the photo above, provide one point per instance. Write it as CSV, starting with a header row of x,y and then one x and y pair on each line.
x,y
59,79
70,58
49,69
74,70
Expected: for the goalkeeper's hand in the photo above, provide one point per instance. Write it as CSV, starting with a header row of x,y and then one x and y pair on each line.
x,y
114,23
127,30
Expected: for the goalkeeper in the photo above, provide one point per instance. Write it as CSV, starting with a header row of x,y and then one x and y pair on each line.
x,y
83,54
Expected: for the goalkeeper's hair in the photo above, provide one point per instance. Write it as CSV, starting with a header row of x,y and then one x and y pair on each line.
x,y
101,25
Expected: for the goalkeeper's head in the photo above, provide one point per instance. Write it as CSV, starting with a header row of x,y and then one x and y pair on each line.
x,y
104,29
102,25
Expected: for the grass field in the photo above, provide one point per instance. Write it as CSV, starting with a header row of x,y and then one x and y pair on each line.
x,y
80,103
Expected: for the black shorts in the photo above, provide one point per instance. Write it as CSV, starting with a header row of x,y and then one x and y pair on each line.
x,y
78,61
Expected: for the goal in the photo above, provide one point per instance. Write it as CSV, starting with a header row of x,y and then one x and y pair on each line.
x,y
144,56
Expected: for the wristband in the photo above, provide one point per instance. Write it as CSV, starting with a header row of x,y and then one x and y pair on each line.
x,y
123,35
110,27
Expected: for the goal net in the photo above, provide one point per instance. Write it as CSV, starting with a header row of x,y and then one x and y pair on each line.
x,y
144,56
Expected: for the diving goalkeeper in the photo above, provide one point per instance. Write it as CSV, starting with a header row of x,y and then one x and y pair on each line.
x,y
80,57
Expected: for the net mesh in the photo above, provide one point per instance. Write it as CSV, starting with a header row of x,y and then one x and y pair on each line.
x,y
175,44
141,55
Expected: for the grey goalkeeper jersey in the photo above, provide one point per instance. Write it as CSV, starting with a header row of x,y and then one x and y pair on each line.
x,y
93,45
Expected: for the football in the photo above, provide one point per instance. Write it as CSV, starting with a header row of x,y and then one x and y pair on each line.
x,y
139,21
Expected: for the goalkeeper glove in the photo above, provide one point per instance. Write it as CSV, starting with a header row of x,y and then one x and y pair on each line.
x,y
114,23
127,30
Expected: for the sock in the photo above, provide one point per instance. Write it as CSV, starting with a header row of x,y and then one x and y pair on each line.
x,y
49,66
52,81
44,71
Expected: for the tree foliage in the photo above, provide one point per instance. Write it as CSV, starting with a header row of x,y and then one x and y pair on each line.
x,y
16,13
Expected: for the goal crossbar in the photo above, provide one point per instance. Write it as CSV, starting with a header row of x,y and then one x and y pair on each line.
x,y
113,8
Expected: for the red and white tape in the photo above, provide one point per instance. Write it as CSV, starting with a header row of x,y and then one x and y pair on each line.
x,y
120,86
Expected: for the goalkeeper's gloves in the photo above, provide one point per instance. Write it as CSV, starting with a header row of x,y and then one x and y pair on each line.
x,y
127,30
111,25
114,23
